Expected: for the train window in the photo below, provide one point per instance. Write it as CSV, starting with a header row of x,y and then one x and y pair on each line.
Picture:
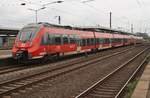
x,y
28,33
117,40
57,40
72,39
88,42
84,42
65,40
107,41
42,41
97,41
101,40
114,40
125,40
121,40
92,41
110,40
78,41
104,41
50,38
45,39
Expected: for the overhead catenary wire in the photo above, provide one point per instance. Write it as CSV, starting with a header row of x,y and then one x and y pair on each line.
x,y
114,17
75,15
95,9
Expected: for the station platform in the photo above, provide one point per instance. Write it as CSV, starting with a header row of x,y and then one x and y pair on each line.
x,y
5,54
142,89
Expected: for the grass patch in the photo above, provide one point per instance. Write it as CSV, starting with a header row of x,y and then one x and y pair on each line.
x,y
130,88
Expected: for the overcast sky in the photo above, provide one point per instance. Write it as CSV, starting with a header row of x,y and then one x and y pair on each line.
x,y
74,12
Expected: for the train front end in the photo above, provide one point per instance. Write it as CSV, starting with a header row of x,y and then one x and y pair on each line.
x,y
26,42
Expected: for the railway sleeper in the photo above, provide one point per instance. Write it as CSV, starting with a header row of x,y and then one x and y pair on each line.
x,y
7,87
3,90
27,80
105,90
103,93
22,91
113,84
29,88
35,79
118,78
41,84
99,96
19,83
14,85
6,97
110,87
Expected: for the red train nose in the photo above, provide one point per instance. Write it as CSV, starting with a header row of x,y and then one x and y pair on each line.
x,y
24,45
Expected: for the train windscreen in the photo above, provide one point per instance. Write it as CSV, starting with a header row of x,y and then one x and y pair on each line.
x,y
28,33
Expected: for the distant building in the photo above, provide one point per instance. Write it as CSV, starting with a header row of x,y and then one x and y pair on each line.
x,y
7,37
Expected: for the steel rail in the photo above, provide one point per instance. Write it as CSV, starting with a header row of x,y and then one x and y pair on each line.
x,y
12,69
136,71
28,84
8,69
87,91
75,62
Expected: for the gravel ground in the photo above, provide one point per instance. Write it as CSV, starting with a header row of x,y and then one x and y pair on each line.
x,y
75,82
38,69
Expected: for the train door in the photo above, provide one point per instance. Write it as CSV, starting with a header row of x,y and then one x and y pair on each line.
x,y
57,41
49,43
110,42
94,40
44,43
78,41
66,45
100,43
72,42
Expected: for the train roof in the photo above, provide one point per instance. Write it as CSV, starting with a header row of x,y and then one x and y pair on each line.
x,y
107,32
96,29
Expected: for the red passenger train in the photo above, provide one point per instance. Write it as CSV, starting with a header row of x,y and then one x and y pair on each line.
x,y
43,39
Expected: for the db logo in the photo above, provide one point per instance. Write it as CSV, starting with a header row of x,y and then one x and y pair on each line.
x,y
23,45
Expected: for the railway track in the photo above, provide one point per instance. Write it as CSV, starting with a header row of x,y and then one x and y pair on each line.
x,y
10,86
113,84
10,69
